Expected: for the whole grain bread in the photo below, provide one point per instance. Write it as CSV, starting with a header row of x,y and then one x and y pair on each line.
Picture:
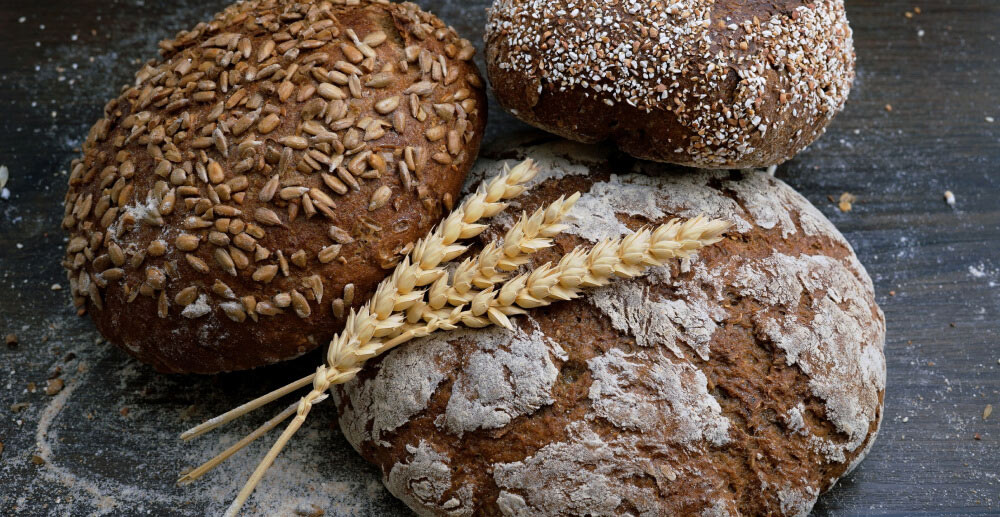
x,y
745,382
715,84
254,184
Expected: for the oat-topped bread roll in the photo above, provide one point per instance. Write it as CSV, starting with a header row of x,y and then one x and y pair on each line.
x,y
745,382
249,188
716,84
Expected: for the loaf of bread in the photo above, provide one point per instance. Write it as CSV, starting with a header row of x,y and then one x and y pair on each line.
x,y
744,382
726,84
262,177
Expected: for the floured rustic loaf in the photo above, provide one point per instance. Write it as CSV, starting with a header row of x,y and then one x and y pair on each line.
x,y
236,201
745,382
717,84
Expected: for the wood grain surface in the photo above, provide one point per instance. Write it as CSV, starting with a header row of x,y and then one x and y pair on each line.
x,y
105,443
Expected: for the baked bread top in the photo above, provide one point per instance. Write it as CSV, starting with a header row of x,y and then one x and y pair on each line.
x,y
745,382
251,186
703,83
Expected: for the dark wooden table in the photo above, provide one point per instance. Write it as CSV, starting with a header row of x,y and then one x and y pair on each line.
x,y
107,441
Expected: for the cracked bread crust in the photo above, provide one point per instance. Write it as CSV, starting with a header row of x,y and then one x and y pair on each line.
x,y
745,382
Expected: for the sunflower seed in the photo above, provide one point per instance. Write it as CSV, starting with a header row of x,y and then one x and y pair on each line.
x,y
330,92
334,184
300,305
454,142
265,308
114,274
435,133
351,53
387,105
299,258
215,173
374,39
289,193
282,300
380,80
225,261
265,274
340,236
155,278
157,248
442,158
294,142
268,124
338,308
329,253
186,242
221,144
354,84
218,238
186,296
379,198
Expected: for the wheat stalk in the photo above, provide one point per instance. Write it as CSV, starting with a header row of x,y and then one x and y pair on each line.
x,y
528,235
427,254
383,316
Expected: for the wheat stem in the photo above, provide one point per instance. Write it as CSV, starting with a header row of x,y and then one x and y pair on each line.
x,y
237,412
247,440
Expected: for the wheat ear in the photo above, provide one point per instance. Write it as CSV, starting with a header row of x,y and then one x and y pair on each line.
x,y
626,257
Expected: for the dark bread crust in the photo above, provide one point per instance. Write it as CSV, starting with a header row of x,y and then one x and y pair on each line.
x,y
768,464
693,110
389,208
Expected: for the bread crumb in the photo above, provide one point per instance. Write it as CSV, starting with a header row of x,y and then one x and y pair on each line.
x,y
11,340
888,107
987,411
846,201
54,386
949,198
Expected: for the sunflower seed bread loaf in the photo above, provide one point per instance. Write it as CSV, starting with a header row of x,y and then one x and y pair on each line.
x,y
716,84
261,178
745,382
